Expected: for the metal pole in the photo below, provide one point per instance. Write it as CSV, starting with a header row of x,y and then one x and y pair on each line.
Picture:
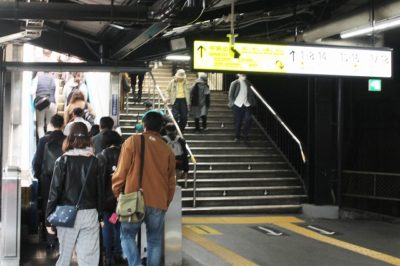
x,y
339,140
2,97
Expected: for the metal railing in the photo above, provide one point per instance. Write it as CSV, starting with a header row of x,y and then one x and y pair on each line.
x,y
162,100
371,185
283,137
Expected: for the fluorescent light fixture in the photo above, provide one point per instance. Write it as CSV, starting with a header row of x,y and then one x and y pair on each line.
x,y
178,57
381,25
117,26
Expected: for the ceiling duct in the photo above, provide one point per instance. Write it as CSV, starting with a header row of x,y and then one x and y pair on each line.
x,y
357,19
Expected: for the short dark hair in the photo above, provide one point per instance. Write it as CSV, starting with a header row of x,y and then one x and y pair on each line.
x,y
170,127
153,121
57,121
106,122
94,130
78,112
78,137
110,137
148,103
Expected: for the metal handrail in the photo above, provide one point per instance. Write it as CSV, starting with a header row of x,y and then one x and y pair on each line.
x,y
370,173
277,117
192,157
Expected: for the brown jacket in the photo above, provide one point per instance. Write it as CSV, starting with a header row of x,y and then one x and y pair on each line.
x,y
158,182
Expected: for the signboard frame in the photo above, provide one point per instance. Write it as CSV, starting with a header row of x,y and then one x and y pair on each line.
x,y
364,50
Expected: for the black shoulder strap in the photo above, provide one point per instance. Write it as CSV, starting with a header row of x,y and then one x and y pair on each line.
x,y
141,160
84,182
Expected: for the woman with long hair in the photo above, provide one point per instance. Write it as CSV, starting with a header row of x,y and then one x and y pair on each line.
x,y
77,101
75,170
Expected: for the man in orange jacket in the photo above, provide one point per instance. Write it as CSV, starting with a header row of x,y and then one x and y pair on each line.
x,y
158,184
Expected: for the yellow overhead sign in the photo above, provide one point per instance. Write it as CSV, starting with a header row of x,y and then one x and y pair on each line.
x,y
293,59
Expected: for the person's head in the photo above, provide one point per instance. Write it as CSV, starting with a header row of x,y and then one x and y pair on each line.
x,y
241,76
202,76
153,121
78,137
57,121
171,131
78,77
77,112
106,123
147,105
94,130
180,75
111,138
77,96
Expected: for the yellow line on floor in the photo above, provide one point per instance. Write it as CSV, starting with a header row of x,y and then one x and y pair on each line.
x,y
342,244
203,230
226,254
241,220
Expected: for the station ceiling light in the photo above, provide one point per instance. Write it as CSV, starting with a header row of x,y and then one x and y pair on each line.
x,y
379,26
178,57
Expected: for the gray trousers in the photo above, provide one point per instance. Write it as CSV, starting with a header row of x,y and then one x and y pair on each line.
x,y
84,236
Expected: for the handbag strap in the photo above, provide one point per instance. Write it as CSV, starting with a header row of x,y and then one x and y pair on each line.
x,y
84,183
141,160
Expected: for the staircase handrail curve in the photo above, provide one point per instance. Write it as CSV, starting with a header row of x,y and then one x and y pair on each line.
x,y
192,157
279,119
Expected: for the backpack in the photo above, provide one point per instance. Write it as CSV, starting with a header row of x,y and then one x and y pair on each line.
x,y
52,151
87,115
71,93
176,145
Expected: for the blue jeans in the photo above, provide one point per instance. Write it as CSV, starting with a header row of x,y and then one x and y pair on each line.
x,y
180,112
111,237
154,220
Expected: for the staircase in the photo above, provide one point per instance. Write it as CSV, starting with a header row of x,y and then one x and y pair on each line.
x,y
238,177
250,177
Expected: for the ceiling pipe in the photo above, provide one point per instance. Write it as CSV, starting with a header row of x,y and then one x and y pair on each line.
x,y
68,11
361,18
73,67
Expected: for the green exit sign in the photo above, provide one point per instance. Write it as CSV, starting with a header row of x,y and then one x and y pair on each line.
x,y
374,85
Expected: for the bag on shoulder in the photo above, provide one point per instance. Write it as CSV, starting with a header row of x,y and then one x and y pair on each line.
x,y
130,207
52,150
41,102
88,116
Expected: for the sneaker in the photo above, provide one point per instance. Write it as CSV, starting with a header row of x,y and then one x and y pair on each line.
x,y
236,139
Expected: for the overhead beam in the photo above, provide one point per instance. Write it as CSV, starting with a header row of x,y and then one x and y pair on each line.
x,y
74,67
70,11
126,48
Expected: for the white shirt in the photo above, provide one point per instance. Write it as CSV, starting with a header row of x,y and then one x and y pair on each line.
x,y
67,128
241,99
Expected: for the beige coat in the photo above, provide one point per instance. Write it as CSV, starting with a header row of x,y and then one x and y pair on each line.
x,y
172,91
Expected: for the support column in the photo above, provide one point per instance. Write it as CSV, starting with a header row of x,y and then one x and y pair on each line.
x,y
339,140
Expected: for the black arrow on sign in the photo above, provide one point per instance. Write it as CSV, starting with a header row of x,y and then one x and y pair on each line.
x,y
201,48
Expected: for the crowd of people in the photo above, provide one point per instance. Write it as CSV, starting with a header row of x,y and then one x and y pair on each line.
x,y
78,161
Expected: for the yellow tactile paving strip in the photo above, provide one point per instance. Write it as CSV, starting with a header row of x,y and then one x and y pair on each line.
x,y
286,222
224,253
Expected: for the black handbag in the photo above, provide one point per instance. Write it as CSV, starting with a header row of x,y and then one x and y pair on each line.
x,y
65,215
41,102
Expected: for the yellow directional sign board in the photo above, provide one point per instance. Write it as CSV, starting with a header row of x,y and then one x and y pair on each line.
x,y
292,59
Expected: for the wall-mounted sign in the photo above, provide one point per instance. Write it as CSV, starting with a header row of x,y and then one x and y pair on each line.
x,y
375,85
292,59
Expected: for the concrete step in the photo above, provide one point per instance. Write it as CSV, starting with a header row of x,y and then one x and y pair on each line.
x,y
238,157
250,209
244,200
244,173
229,150
213,166
220,136
231,143
242,182
243,191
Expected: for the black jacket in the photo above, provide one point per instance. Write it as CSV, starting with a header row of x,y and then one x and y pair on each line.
x,y
56,136
68,177
108,160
